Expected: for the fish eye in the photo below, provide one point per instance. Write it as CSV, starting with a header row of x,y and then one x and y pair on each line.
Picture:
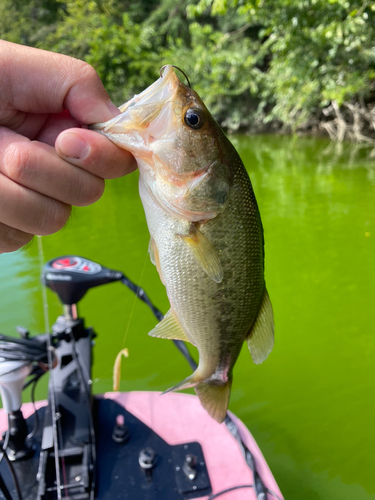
x,y
194,118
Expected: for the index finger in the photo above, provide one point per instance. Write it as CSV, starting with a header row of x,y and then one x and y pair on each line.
x,y
37,81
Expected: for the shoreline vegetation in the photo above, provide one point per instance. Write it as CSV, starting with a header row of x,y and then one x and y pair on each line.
x,y
291,66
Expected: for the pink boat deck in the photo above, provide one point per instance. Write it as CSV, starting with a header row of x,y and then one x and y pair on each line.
x,y
179,418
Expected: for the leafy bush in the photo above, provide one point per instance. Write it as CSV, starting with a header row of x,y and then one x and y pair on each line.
x,y
257,64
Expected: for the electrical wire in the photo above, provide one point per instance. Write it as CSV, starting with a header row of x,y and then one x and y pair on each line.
x,y
91,421
4,446
233,488
4,489
273,494
23,351
13,474
3,486
142,295
36,416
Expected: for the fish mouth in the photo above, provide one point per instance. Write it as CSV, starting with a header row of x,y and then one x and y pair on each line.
x,y
130,129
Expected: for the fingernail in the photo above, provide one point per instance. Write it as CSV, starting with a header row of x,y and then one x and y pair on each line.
x,y
113,109
72,146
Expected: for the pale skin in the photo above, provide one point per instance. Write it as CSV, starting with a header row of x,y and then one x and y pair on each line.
x,y
48,162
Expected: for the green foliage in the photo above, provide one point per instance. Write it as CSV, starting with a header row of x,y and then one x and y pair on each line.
x,y
256,63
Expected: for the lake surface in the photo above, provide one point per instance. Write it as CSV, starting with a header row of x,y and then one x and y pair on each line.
x,y
311,405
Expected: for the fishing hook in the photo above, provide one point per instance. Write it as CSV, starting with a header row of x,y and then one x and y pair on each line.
x,y
179,69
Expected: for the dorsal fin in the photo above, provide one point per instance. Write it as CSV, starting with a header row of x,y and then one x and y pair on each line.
x,y
261,337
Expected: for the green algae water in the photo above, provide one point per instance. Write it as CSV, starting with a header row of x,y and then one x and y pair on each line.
x,y
310,406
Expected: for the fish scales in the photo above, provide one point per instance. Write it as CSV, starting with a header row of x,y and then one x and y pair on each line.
x,y
206,233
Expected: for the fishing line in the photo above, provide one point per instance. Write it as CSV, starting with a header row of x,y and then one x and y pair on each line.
x,y
126,282
54,414
176,67
44,291
134,301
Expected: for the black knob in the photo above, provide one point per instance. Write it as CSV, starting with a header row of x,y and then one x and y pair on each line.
x,y
121,431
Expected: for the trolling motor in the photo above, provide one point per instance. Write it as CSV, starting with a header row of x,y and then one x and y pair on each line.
x,y
70,402
70,277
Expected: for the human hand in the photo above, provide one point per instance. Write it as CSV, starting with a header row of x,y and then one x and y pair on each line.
x,y
42,94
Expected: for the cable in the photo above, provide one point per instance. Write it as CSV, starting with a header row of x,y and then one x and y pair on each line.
x,y
92,427
4,489
36,416
273,494
3,486
142,295
232,488
22,350
227,490
13,474
4,446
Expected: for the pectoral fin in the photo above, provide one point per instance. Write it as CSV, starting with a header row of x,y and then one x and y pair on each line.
x,y
151,252
205,254
169,328
261,337
154,257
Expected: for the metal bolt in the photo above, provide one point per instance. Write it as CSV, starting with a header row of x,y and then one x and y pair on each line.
x,y
78,478
178,468
146,458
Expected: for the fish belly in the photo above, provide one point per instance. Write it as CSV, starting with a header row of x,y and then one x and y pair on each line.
x,y
216,317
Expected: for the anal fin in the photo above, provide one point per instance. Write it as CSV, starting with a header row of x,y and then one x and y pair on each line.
x,y
190,381
169,328
205,254
261,337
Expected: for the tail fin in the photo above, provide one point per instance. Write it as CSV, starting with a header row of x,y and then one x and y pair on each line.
x,y
215,398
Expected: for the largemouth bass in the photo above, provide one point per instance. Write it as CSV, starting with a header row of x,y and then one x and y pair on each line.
x,y
206,232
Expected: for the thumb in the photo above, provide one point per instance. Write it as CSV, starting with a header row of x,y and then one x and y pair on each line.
x,y
37,81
